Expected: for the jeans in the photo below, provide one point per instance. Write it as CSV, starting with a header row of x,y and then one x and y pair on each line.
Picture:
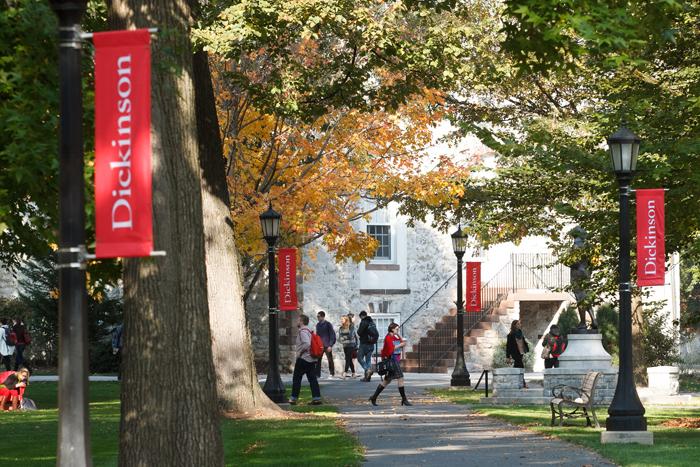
x,y
301,368
364,355
19,356
552,362
7,360
331,365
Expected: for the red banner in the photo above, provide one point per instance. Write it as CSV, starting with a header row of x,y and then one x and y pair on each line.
x,y
473,286
651,254
123,205
287,258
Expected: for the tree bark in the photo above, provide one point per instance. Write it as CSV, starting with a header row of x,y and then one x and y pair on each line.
x,y
169,415
239,392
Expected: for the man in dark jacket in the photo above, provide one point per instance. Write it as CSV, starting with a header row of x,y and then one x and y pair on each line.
x,y
368,338
325,331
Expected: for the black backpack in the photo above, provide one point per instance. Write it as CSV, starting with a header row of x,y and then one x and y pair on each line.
x,y
372,333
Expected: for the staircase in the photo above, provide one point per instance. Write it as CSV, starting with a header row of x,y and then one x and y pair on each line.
x,y
436,350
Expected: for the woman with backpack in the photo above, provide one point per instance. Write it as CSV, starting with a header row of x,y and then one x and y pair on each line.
x,y
8,340
553,346
348,339
391,354
516,347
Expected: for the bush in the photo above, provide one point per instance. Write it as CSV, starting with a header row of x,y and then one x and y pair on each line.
x,y
39,299
568,321
499,356
608,325
660,341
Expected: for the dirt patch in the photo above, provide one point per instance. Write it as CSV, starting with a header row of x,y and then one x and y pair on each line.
x,y
686,422
253,447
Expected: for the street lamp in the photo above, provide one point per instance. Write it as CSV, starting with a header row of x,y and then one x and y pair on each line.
x,y
73,425
626,410
270,223
460,374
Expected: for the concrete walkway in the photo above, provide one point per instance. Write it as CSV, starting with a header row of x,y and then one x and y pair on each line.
x,y
442,434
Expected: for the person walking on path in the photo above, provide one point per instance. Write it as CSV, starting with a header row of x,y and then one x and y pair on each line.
x,y
516,347
368,334
553,346
305,364
391,353
325,331
353,330
7,343
117,334
23,339
348,339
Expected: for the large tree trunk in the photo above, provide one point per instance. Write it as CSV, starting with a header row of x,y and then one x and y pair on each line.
x,y
237,382
168,397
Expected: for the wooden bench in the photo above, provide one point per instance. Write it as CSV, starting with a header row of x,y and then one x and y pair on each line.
x,y
578,398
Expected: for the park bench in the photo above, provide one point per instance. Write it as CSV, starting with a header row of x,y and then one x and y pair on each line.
x,y
578,398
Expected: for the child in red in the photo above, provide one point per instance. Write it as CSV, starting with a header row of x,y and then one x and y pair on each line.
x,y
12,385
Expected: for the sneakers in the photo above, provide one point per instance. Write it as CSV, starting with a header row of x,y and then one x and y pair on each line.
x,y
292,401
316,402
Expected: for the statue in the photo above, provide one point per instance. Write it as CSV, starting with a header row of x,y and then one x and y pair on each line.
x,y
580,279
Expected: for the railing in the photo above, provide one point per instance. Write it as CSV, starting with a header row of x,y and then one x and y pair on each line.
x,y
426,302
443,340
538,271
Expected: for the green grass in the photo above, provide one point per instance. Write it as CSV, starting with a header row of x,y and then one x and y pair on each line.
x,y
672,446
308,441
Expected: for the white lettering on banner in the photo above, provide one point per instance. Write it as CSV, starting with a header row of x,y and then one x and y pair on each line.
x,y
650,240
287,279
473,292
121,208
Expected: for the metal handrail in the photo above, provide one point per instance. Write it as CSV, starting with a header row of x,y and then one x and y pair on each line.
x,y
442,286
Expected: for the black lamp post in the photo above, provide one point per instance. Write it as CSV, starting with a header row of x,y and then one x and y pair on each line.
x,y
270,223
626,410
460,375
73,427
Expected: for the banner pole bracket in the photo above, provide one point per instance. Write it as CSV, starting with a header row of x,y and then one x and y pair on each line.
x,y
88,35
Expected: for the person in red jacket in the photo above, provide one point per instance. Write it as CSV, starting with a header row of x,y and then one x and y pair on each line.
x,y
391,352
12,385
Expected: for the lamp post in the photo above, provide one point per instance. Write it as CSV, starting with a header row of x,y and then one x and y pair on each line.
x,y
460,374
626,410
73,427
270,223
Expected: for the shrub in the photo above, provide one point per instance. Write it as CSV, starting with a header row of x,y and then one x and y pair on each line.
x,y
660,341
499,356
608,325
568,320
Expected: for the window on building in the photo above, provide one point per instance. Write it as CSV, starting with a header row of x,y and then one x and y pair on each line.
x,y
382,233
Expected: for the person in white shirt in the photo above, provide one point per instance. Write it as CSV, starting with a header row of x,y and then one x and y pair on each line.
x,y
305,364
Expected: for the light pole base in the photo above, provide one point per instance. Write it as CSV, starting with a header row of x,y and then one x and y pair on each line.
x,y
627,437
275,390
626,423
460,380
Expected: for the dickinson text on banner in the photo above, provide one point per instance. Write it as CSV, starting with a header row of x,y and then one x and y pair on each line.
x,y
473,269
651,248
287,258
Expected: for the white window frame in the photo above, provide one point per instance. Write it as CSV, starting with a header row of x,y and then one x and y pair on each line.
x,y
390,237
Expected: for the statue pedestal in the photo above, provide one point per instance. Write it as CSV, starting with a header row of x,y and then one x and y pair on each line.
x,y
584,353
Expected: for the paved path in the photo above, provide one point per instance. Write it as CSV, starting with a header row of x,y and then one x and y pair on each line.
x,y
441,434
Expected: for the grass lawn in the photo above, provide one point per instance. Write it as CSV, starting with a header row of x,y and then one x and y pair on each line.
x,y
246,442
672,446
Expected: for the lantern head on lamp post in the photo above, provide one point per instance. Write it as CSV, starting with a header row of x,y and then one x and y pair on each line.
x,y
460,375
626,410
270,223
624,149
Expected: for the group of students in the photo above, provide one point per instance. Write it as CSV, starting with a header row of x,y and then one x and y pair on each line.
x,y
358,344
553,345
14,338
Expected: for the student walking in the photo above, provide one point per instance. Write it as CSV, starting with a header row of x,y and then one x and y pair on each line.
x,y
348,339
553,346
391,353
368,334
516,347
23,339
325,331
305,364
8,340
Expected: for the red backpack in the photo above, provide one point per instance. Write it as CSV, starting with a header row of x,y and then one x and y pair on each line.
x,y
316,349
557,346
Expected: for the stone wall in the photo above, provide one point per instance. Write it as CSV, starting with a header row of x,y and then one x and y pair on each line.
x,y
8,283
605,387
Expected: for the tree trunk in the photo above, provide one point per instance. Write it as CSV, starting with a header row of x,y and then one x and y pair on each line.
x,y
237,383
168,393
